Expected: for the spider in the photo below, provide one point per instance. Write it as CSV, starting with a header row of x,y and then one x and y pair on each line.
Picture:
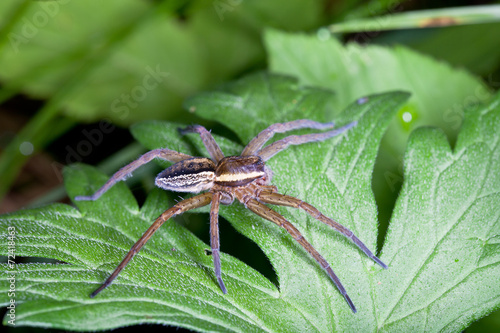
x,y
246,178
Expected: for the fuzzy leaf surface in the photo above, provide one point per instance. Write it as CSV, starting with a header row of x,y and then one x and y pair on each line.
x,y
443,243
171,280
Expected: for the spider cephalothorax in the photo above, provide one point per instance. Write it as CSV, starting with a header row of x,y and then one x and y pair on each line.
x,y
245,178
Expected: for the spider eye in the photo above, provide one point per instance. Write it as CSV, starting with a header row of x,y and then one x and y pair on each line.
x,y
192,175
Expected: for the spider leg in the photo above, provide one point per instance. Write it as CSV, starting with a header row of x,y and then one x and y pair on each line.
x,y
183,206
214,238
269,151
269,214
254,146
165,154
286,200
208,141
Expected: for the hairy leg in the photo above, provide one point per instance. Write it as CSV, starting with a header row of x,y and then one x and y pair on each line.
x,y
286,200
208,140
165,154
269,151
214,238
183,206
254,146
269,214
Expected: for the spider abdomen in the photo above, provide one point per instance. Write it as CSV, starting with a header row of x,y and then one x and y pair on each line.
x,y
239,170
191,175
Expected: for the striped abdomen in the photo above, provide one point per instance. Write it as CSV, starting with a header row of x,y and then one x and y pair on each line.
x,y
239,170
192,175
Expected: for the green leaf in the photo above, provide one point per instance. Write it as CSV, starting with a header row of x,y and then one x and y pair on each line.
x,y
260,100
482,59
439,93
443,244
442,247
171,280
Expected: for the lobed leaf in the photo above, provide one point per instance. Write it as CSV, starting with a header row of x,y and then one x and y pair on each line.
x,y
171,280
443,241
442,246
439,92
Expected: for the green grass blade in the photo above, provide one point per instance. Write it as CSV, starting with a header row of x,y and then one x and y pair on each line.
x,y
421,19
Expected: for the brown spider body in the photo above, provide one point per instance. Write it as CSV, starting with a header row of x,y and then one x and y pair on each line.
x,y
245,178
200,174
239,170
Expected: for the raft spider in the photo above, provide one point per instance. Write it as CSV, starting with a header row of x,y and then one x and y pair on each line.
x,y
244,177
